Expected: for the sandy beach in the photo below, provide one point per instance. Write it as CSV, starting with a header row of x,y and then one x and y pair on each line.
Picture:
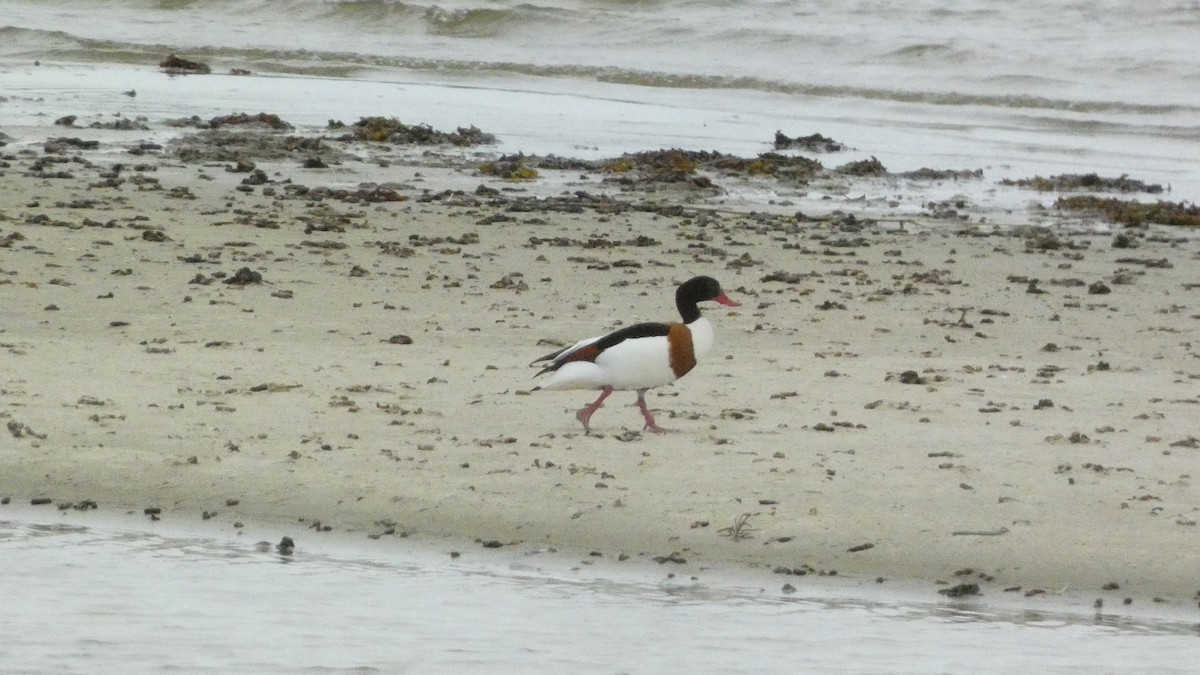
x,y
949,398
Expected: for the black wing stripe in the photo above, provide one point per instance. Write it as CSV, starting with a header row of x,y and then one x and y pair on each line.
x,y
637,330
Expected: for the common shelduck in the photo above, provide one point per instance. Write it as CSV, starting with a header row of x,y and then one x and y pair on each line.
x,y
637,357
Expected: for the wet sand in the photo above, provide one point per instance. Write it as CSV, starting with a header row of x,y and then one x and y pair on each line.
x,y
938,397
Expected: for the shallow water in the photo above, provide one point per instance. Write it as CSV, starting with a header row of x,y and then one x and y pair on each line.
x,y
1026,88
85,594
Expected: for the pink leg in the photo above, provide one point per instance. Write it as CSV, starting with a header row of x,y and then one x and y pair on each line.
x,y
585,413
650,424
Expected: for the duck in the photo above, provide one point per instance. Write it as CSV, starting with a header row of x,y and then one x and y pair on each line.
x,y
638,357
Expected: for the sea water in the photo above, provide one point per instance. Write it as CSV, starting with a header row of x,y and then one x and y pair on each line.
x,y
86,593
1018,89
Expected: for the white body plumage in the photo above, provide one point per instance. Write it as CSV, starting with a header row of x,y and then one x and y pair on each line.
x,y
638,363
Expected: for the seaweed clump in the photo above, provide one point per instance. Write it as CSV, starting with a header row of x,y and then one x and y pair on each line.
x,y
174,65
813,143
1133,213
241,120
800,169
926,173
863,167
661,166
682,166
512,167
1086,181
225,145
392,130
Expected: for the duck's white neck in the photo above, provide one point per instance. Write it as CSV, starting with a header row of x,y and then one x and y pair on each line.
x,y
702,337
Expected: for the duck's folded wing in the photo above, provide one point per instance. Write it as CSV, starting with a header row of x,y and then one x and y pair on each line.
x,y
589,349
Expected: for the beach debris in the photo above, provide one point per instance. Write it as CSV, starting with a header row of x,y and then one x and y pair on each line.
x,y
244,277
863,167
123,124
925,173
660,166
740,529
1149,263
980,533
392,130
1133,213
1085,182
812,143
960,590
286,546
61,144
22,430
239,137
675,557
175,65
860,547
511,167
511,282
268,120
1125,240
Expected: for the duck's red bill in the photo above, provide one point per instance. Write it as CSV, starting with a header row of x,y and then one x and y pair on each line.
x,y
724,300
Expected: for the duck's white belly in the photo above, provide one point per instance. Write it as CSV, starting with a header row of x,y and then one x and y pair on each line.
x,y
637,364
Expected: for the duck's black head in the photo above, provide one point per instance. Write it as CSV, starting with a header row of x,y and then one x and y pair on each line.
x,y
696,290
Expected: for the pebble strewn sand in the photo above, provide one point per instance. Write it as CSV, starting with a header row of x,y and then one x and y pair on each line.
x,y
904,399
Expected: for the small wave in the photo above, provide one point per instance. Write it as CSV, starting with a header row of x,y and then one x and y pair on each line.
x,y
652,79
926,52
468,22
59,45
